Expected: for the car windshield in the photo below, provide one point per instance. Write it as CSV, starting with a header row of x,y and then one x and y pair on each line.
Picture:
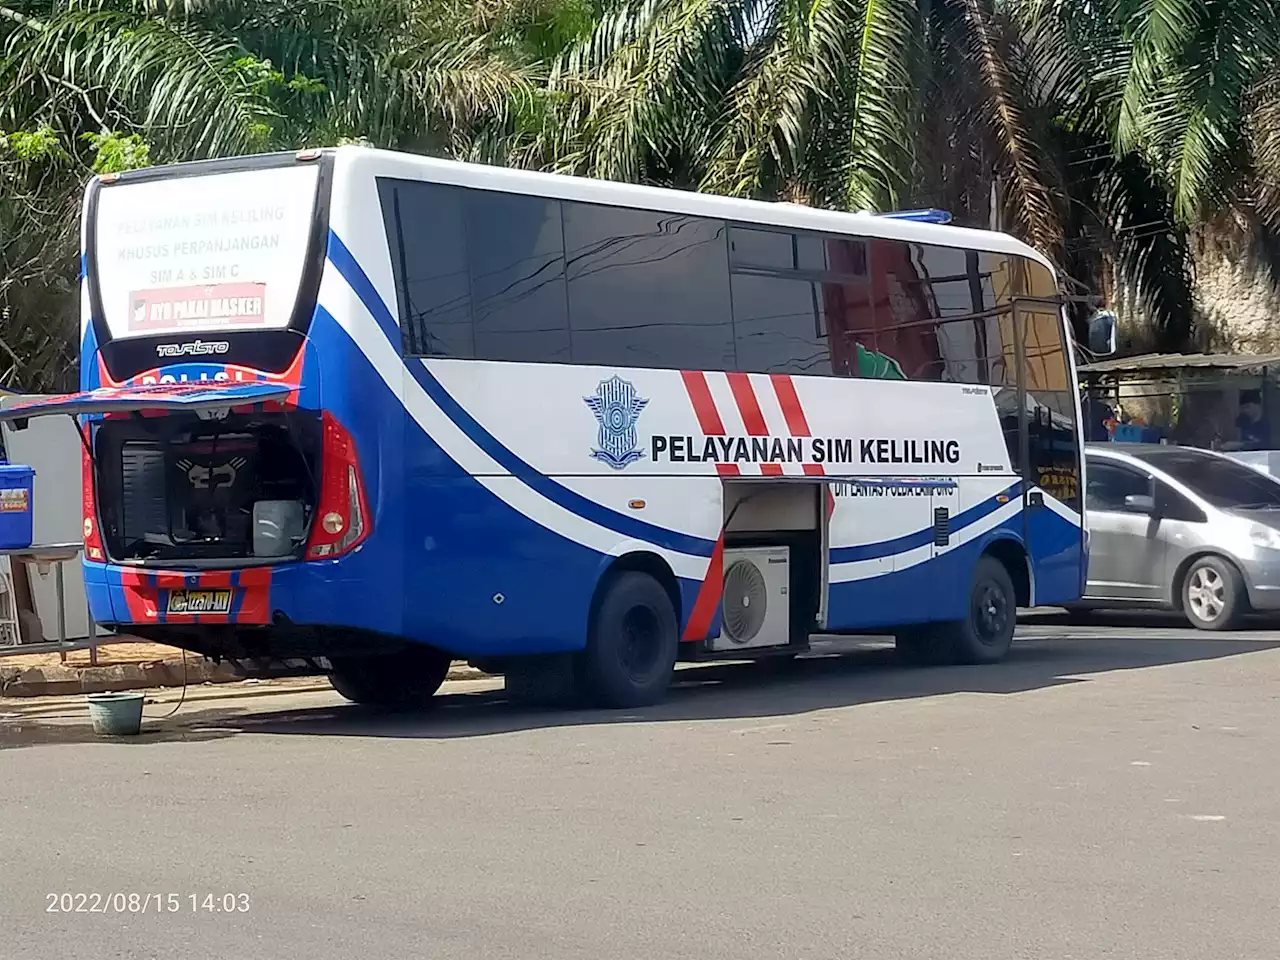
x,y
1222,482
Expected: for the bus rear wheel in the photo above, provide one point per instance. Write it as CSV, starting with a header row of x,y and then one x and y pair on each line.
x,y
404,680
632,643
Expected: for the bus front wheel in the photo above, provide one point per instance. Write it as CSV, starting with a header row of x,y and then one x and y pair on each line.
x,y
983,636
632,643
406,679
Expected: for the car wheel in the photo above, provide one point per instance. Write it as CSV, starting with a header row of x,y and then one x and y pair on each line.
x,y
404,680
632,644
1213,595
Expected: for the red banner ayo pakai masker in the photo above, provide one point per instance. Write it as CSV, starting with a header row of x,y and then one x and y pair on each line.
x,y
215,305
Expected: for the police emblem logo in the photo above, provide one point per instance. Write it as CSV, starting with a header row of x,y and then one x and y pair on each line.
x,y
617,408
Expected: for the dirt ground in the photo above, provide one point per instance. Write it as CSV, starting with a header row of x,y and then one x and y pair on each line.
x,y
114,652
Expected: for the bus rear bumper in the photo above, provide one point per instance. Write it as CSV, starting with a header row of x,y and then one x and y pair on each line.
x,y
294,594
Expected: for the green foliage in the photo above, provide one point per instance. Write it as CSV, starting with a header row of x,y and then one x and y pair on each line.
x,y
113,153
32,146
1105,132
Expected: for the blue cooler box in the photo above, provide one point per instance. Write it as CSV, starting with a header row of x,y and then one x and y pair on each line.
x,y
15,506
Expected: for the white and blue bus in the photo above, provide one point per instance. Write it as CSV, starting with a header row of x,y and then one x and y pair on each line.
x,y
378,412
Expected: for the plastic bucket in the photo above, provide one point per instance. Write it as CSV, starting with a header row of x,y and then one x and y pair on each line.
x,y
116,714
15,506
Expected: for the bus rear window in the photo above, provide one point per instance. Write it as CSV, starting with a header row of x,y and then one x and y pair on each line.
x,y
216,252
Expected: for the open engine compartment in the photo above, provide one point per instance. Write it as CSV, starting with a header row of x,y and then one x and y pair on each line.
x,y
192,491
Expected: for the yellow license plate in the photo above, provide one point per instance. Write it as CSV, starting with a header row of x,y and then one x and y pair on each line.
x,y
199,601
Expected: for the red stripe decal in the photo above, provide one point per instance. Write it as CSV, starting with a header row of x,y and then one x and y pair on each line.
x,y
771,469
255,577
141,606
789,401
704,408
704,607
144,590
793,413
748,406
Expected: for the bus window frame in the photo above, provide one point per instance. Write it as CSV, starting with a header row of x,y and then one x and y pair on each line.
x,y
1056,304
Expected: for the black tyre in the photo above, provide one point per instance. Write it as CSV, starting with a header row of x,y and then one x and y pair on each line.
x,y
632,643
404,680
1213,595
986,633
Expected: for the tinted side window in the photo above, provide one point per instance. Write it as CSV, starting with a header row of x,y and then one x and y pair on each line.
x,y
1222,482
779,326
934,314
428,257
773,251
1051,444
1174,506
847,294
1110,483
647,289
796,297
1046,380
515,247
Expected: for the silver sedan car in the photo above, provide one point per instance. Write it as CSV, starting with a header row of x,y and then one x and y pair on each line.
x,y
1182,529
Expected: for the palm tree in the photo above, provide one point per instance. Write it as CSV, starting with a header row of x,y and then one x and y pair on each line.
x,y
104,84
1101,132
1178,122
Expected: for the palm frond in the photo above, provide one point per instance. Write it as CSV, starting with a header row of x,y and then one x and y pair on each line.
x,y
177,84
887,41
764,124
1157,31
1029,194
1239,39
1263,131
1150,249
629,89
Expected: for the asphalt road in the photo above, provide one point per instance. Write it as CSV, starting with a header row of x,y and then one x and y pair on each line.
x,y
1105,793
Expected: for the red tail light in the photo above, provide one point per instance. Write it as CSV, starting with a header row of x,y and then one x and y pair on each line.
x,y
342,521
89,512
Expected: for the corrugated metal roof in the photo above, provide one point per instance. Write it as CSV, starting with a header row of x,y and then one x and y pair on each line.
x,y
1154,362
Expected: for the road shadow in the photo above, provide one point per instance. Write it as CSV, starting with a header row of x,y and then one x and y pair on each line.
x,y
839,674
36,731
1126,619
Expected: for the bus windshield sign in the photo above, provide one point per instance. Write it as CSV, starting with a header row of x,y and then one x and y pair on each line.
x,y
227,255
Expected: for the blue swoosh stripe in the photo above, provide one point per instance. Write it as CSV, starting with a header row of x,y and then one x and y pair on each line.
x,y
887,548
351,271
570,500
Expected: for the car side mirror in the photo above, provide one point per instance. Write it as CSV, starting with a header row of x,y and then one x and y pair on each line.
x,y
1102,333
1140,503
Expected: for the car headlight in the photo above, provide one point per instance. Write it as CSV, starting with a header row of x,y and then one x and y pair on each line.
x,y
1265,537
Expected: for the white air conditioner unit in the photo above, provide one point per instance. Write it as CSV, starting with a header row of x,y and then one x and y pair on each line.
x,y
756,608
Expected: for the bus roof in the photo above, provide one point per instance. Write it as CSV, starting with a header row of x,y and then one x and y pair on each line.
x,y
375,162
613,193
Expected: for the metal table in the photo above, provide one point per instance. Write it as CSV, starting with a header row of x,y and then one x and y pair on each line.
x,y
57,554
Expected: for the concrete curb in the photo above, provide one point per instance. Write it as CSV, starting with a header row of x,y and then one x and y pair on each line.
x,y
61,681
